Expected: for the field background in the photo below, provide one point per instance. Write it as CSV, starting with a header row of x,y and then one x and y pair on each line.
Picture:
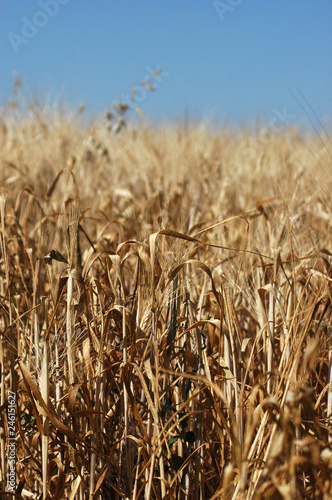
x,y
165,309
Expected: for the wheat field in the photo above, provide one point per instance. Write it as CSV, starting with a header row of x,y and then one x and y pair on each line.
x,y
165,311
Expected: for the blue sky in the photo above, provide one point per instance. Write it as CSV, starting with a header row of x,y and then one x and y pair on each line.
x,y
227,61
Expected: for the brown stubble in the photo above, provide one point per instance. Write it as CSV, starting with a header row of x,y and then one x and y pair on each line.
x,y
178,289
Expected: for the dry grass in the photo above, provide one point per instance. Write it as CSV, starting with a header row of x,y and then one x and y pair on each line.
x,y
166,312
